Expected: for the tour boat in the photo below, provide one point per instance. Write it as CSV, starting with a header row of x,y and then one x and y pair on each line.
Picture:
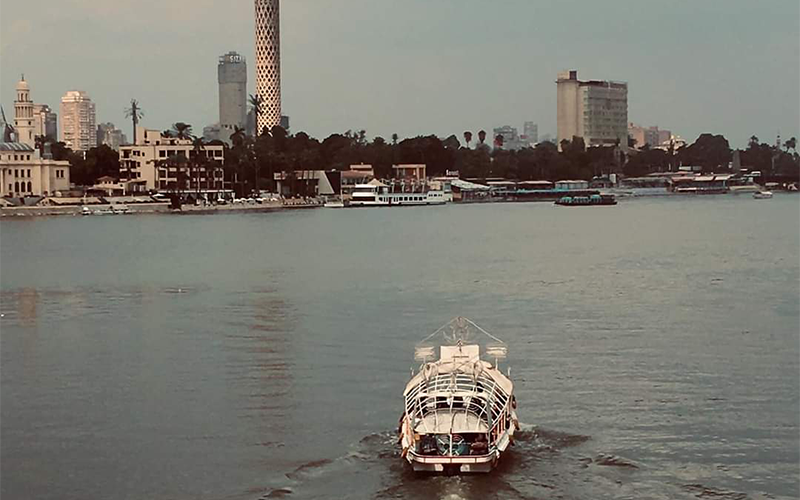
x,y
762,195
379,195
460,410
587,201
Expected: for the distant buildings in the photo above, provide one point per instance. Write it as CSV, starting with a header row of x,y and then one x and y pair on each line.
x,y
595,110
111,136
232,79
78,128
23,170
45,121
512,141
158,163
652,136
268,62
530,133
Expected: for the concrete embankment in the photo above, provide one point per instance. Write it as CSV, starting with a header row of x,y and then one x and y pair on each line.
x,y
150,208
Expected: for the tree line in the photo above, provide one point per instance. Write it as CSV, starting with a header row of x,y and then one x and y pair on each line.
x,y
250,162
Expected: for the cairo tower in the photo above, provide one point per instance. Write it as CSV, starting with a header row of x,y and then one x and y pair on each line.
x,y
268,62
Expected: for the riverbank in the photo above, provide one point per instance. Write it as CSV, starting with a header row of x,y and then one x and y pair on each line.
x,y
154,208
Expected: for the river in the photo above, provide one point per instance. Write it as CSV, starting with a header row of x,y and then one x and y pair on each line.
x,y
655,348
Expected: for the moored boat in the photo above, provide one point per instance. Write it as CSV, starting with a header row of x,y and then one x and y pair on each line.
x,y
762,195
379,195
587,201
460,409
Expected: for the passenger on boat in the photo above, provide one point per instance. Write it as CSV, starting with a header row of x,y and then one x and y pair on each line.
x,y
480,446
427,445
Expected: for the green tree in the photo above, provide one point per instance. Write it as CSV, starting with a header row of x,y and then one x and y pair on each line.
x,y
468,137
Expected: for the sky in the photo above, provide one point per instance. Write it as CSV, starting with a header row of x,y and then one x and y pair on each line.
x,y
418,67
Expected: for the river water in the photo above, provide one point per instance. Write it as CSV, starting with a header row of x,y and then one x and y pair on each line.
x,y
655,348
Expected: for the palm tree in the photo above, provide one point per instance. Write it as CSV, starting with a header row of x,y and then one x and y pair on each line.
x,y
182,131
167,134
135,113
257,105
468,137
394,139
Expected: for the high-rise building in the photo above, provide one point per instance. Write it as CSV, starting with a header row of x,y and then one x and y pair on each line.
x,y
530,133
594,110
78,128
45,121
232,79
111,136
268,62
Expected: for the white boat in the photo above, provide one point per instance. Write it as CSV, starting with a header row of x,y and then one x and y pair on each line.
x,y
334,203
762,195
460,410
379,195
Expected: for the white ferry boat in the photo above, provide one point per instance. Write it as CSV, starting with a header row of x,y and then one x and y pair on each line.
x,y
460,410
379,195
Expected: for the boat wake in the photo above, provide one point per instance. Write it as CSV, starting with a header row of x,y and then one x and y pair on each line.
x,y
375,466
543,463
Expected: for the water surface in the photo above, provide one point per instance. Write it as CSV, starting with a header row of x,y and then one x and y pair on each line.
x,y
655,347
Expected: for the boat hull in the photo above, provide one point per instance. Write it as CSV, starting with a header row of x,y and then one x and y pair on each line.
x,y
454,465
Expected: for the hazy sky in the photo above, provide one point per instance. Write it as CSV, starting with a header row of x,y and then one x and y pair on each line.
x,y
420,66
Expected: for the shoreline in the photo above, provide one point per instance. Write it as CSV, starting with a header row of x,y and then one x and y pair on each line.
x,y
149,208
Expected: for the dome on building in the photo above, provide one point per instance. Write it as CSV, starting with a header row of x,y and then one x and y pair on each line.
x,y
23,85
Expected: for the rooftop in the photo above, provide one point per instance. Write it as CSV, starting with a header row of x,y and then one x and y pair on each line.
x,y
15,146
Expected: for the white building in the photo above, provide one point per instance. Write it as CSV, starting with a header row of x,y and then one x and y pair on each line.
x,y
78,127
268,62
23,172
158,163
594,110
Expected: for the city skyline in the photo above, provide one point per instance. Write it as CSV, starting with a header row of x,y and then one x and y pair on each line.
x,y
388,68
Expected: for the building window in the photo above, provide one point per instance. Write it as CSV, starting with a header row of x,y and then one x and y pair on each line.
x,y
162,153
29,187
16,173
15,158
29,172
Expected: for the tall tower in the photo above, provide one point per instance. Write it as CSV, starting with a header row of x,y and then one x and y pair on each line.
x,y
232,78
268,62
23,114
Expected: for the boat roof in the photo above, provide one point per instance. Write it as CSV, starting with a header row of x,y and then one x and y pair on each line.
x,y
473,368
456,423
